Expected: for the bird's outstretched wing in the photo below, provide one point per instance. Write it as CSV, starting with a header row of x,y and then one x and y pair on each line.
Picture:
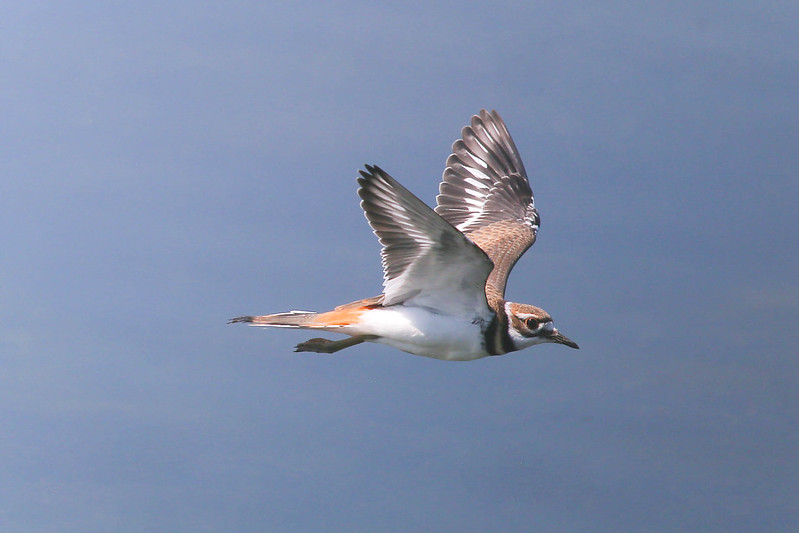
x,y
426,261
485,194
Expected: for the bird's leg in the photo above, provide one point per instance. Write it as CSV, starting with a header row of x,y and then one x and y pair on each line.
x,y
328,346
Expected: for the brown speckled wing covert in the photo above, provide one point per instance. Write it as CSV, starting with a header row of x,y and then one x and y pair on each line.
x,y
485,194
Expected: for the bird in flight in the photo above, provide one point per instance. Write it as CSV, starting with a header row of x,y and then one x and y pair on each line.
x,y
444,270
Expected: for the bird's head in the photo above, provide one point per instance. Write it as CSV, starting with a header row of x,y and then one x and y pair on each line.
x,y
529,325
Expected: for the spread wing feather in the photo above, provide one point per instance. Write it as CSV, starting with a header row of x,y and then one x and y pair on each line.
x,y
486,195
426,261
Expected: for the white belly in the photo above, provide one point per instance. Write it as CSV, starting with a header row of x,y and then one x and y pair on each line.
x,y
418,331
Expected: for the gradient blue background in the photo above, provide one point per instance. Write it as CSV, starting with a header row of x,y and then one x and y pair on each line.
x,y
166,166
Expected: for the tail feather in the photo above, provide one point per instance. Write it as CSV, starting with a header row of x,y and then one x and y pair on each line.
x,y
343,317
292,319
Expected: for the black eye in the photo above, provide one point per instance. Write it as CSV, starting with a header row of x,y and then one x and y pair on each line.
x,y
531,323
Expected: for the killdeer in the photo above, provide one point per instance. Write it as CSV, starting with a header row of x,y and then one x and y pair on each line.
x,y
444,270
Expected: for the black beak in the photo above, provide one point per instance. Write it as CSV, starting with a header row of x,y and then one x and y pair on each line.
x,y
559,338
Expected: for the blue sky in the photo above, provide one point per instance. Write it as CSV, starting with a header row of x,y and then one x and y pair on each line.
x,y
168,166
